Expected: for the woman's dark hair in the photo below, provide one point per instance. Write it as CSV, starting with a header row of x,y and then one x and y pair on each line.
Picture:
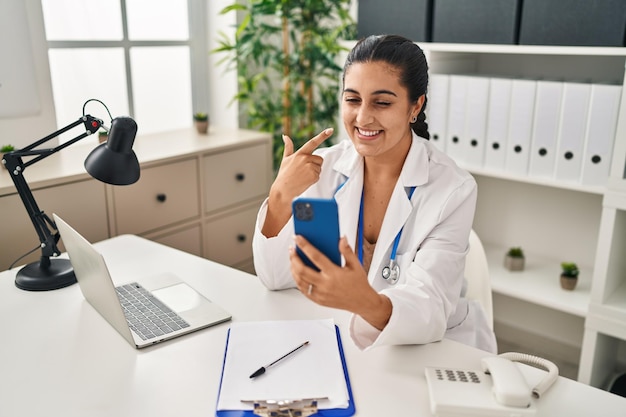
x,y
407,57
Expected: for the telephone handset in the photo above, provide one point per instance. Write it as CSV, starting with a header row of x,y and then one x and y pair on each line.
x,y
499,389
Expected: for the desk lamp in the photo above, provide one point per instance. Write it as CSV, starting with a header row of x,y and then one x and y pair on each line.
x,y
113,162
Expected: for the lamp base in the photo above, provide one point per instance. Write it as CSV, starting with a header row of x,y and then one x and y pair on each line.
x,y
33,277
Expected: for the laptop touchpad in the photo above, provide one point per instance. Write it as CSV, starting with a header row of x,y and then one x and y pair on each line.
x,y
179,297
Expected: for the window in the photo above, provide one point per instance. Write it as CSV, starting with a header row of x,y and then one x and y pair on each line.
x,y
140,57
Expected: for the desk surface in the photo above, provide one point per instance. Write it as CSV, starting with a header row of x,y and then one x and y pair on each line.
x,y
58,357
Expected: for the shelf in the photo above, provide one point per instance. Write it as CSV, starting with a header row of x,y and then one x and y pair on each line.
x,y
513,49
523,49
547,182
539,282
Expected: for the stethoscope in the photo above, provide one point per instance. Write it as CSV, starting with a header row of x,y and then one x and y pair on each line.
x,y
391,272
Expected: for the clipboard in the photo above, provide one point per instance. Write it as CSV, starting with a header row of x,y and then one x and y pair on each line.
x,y
332,412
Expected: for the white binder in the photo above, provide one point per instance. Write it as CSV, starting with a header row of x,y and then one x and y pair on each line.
x,y
520,125
600,134
545,128
497,128
572,128
456,117
437,108
474,139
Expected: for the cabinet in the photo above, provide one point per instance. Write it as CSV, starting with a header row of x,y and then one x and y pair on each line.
x,y
18,236
604,344
553,220
166,193
197,193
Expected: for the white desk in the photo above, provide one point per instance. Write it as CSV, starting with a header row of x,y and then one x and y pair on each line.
x,y
58,357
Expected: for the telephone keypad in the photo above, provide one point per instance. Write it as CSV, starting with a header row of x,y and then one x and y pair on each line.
x,y
457,375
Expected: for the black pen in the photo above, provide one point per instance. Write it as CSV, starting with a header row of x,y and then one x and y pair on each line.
x,y
262,369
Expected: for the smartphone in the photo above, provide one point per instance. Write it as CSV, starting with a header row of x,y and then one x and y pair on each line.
x,y
317,219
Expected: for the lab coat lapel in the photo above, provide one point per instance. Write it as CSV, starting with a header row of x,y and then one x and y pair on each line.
x,y
349,196
414,174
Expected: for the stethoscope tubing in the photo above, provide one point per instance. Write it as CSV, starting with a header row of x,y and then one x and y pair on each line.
x,y
391,272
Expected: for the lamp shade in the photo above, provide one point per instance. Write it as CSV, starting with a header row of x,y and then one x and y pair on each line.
x,y
114,161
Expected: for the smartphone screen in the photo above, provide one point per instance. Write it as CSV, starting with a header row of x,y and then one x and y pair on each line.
x,y
318,221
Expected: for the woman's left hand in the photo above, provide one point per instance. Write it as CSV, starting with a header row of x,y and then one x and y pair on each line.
x,y
340,287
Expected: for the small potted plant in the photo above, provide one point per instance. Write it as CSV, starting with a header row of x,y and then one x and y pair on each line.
x,y
4,149
103,136
514,259
201,121
569,275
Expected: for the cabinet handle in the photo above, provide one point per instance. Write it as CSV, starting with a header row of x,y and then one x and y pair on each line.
x,y
161,197
240,177
241,238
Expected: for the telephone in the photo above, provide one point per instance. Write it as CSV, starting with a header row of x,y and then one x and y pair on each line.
x,y
499,389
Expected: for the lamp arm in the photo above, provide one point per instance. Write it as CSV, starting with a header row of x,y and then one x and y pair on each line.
x,y
91,124
16,166
40,220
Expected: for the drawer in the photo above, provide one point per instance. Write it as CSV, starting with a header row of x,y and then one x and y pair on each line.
x,y
188,240
229,238
235,176
82,204
164,194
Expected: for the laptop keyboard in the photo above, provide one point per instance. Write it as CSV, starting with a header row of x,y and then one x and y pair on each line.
x,y
146,315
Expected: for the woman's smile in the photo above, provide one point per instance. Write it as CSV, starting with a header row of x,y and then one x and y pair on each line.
x,y
368,134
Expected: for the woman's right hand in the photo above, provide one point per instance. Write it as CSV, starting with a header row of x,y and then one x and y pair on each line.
x,y
298,171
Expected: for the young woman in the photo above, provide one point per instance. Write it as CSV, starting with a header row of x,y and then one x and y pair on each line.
x,y
405,211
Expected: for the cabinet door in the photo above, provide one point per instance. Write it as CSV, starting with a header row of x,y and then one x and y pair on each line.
x,y
229,238
165,194
82,204
188,239
235,176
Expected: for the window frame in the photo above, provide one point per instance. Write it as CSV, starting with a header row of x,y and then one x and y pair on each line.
x,y
197,43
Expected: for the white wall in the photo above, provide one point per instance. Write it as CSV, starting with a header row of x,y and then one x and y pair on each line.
x,y
21,131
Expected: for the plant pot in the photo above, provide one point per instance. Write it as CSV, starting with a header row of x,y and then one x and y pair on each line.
x,y
568,283
202,126
103,138
514,263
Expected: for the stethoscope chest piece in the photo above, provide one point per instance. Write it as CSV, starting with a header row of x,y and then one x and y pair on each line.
x,y
391,273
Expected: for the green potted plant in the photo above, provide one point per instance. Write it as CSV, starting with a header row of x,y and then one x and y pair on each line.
x,y
201,121
569,275
514,259
103,136
285,54
4,149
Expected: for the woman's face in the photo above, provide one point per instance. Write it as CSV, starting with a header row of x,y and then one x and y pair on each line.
x,y
376,110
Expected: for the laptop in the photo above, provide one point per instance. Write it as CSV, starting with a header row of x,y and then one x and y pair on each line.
x,y
145,312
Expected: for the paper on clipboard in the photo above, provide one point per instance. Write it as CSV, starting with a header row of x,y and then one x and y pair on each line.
x,y
315,371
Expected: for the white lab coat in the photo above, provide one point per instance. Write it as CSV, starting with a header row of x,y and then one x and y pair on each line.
x,y
427,302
